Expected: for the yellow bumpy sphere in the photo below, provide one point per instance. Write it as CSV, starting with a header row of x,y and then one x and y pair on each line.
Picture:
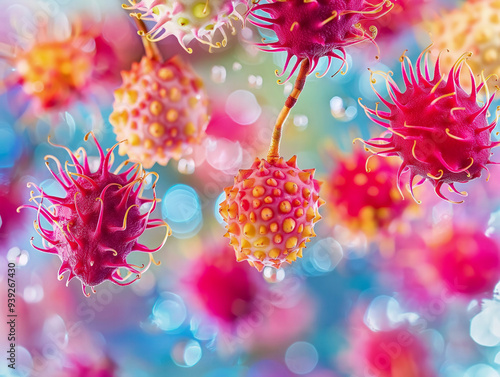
x,y
161,110
270,212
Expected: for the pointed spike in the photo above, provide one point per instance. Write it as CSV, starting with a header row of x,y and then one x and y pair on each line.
x,y
292,162
248,183
240,257
311,171
233,228
258,265
304,176
245,244
234,242
244,173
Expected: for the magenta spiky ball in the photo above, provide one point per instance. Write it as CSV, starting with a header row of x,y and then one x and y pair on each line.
x,y
98,223
270,212
437,128
313,29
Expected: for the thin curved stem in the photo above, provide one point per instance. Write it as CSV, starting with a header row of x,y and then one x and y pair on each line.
x,y
151,48
274,154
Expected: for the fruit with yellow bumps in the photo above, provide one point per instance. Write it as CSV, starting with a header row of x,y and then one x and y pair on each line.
x,y
270,212
161,110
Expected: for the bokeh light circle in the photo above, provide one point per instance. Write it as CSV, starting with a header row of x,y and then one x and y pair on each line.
x,y
217,214
186,353
273,275
242,107
481,370
224,155
301,357
169,312
181,208
326,254
18,256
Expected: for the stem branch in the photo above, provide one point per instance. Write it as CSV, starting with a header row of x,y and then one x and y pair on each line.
x,y
274,148
151,48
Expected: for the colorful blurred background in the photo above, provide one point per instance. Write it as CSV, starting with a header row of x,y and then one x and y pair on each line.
x,y
388,287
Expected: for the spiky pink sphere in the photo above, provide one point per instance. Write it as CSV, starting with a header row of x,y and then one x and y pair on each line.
x,y
437,128
363,195
98,223
160,110
313,29
270,212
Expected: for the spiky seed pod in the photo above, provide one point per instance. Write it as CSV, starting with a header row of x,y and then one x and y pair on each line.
x,y
270,212
313,29
98,223
189,19
160,110
437,128
363,195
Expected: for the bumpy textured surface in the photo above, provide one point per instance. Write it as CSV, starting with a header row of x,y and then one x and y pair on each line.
x,y
98,223
363,194
438,129
475,26
313,29
270,212
466,259
160,110
189,19
55,73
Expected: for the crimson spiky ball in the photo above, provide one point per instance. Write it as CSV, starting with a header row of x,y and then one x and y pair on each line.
x,y
98,223
439,130
270,212
363,195
313,29
160,110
